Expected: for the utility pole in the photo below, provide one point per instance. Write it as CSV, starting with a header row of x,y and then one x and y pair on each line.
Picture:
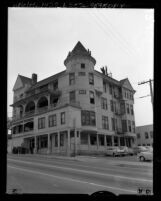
x,y
151,91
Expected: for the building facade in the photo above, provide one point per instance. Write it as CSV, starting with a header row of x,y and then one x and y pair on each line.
x,y
144,135
78,110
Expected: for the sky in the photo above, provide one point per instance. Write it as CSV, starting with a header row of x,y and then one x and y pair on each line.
x,y
39,40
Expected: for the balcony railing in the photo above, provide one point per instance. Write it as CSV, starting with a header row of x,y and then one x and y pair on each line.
x,y
60,103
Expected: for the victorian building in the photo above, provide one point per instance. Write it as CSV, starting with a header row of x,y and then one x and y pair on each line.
x,y
78,110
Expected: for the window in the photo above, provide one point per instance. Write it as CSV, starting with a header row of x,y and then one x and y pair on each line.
x,y
133,126
56,140
112,106
55,84
151,134
131,107
129,125
84,138
72,96
128,110
91,93
122,105
62,139
124,125
41,123
138,135
88,118
81,73
105,124
83,66
52,120
62,117
93,139
113,123
110,88
101,140
71,78
104,103
91,79
146,135
104,87
82,91
44,141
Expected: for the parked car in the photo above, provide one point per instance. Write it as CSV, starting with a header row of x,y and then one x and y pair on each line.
x,y
125,149
114,151
138,149
145,155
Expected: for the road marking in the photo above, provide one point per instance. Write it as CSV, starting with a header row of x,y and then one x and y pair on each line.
x,y
84,171
75,180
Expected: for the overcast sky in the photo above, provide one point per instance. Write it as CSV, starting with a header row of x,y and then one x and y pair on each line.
x,y
39,40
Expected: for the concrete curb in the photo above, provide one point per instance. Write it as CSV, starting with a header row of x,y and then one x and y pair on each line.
x,y
121,163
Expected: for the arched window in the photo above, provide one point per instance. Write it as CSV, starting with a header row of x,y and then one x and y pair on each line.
x,y
42,102
30,106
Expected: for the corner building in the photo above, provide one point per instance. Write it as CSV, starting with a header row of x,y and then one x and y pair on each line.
x,y
78,110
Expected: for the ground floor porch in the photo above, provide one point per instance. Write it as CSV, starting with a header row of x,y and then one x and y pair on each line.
x,y
73,142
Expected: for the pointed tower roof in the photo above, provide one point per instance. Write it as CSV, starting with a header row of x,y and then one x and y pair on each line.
x,y
79,51
79,48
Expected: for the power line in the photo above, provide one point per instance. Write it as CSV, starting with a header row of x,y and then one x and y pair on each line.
x,y
151,91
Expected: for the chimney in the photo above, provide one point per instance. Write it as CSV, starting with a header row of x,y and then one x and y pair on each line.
x,y
34,78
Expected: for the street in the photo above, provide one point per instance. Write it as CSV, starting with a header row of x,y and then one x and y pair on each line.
x,y
83,175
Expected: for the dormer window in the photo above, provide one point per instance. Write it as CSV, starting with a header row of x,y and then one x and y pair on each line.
x,y
83,66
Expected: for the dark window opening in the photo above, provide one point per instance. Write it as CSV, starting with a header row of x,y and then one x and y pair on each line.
x,y
88,118
28,126
62,117
41,123
54,100
52,120
91,78
83,66
71,78
44,141
93,139
55,84
84,138
92,101
30,107
43,102
146,135
72,96
101,140
105,124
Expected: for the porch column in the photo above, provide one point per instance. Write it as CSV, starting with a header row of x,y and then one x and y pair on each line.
x,y
112,138
125,141
89,143
48,151
75,141
35,145
97,140
48,101
105,141
119,141
58,141
68,142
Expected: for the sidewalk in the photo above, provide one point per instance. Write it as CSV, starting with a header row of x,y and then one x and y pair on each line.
x,y
113,161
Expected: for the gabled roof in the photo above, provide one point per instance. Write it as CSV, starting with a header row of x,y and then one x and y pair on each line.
x,y
46,80
25,80
21,81
126,83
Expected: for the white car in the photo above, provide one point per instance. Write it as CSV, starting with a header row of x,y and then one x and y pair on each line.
x,y
145,155
114,151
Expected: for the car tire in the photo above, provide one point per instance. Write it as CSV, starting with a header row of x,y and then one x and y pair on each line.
x,y
142,158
